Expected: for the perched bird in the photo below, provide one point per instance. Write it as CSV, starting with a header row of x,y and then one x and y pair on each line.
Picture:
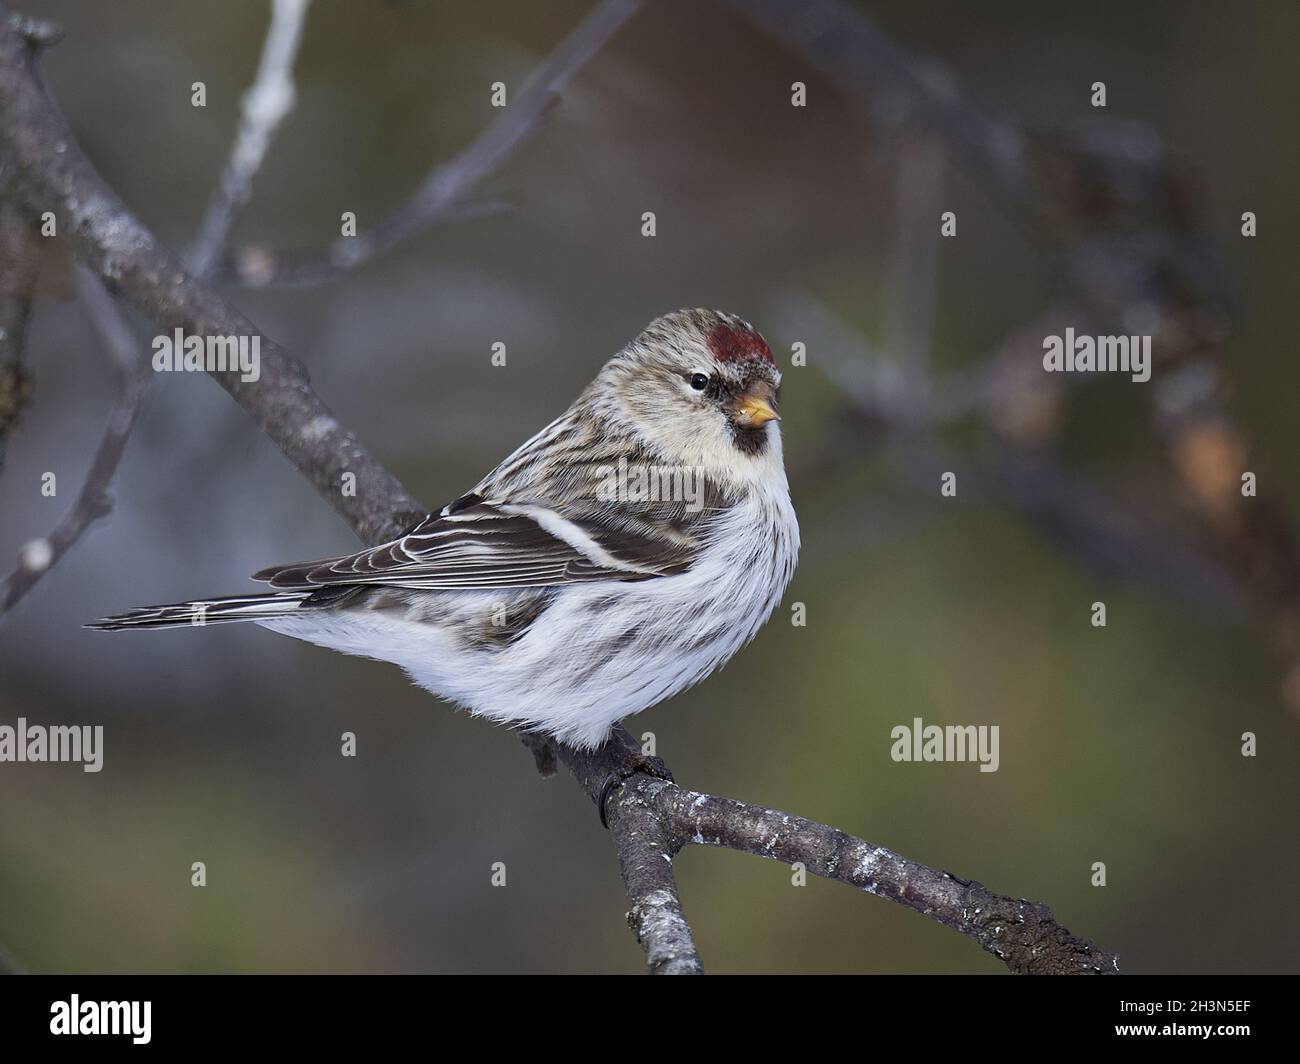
x,y
622,554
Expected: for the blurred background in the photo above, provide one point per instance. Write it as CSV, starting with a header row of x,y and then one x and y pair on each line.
x,y
820,224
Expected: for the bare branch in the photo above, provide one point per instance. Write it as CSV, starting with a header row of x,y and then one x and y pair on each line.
x,y
265,106
443,193
1078,514
37,32
39,556
1109,201
19,265
1022,934
652,819
646,846
914,280
53,174
893,81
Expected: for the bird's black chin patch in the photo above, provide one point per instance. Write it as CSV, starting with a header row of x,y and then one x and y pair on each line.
x,y
751,441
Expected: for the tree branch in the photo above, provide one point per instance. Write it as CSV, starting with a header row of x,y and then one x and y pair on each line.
x,y
19,266
1107,200
265,106
39,556
1023,934
1019,470
645,844
53,174
649,817
843,43
443,193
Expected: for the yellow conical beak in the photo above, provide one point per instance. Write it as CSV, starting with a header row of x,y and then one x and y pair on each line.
x,y
755,412
756,406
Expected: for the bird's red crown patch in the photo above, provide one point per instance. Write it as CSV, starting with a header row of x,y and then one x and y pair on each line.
x,y
735,343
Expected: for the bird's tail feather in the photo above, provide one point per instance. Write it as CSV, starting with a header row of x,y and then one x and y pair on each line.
x,y
205,611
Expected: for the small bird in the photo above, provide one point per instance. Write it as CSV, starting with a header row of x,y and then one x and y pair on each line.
x,y
617,557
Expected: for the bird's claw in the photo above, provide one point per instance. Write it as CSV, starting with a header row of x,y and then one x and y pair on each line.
x,y
651,766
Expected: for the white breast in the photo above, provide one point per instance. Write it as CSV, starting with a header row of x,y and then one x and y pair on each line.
x,y
601,651
604,651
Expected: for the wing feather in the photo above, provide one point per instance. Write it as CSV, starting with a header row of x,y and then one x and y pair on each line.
x,y
475,543
538,520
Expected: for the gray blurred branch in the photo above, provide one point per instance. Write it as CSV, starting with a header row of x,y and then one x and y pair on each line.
x,y
265,105
1017,470
1110,206
649,818
93,502
445,193
19,265
53,174
892,81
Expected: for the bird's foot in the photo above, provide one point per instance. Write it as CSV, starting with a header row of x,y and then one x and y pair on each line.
x,y
633,763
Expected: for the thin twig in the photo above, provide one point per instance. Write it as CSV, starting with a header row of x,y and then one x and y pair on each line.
x,y
39,556
443,193
55,175
265,105
19,265
890,80
918,191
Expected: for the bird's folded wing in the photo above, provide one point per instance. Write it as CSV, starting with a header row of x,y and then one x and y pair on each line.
x,y
475,543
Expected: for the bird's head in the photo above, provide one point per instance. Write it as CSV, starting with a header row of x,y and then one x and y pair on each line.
x,y
701,388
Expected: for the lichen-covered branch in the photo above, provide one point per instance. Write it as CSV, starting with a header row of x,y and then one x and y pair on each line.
x,y
1023,934
646,845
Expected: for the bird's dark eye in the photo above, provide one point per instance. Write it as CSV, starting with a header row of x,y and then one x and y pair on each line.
x,y
699,381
